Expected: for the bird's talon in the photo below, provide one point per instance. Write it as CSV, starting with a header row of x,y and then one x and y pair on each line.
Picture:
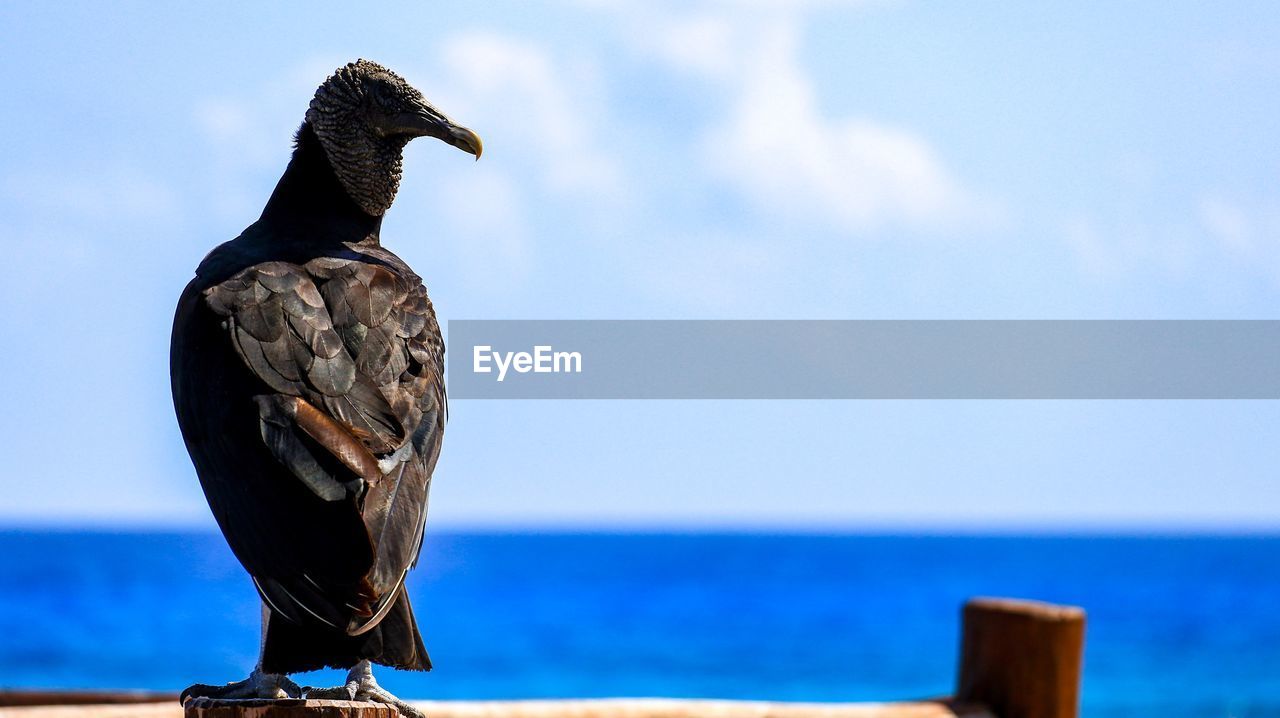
x,y
337,693
361,686
257,685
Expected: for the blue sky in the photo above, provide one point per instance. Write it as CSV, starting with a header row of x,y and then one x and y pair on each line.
x,y
672,160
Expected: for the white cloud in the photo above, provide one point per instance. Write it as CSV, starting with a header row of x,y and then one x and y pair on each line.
x,y
702,44
1248,233
1092,250
1216,236
1227,223
534,103
1133,246
774,144
779,149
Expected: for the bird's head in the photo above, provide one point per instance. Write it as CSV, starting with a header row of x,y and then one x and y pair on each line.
x,y
364,115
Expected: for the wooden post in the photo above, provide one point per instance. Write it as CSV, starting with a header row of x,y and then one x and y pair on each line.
x,y
1021,659
286,708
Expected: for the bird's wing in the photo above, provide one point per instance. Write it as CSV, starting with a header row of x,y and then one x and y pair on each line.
x,y
349,356
386,320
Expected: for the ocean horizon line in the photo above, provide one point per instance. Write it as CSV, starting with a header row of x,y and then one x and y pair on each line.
x,y
1047,530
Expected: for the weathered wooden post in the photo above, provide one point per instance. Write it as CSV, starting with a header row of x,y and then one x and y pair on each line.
x,y
1021,659
287,708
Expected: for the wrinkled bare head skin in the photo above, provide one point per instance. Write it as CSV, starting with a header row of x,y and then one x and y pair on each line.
x,y
364,115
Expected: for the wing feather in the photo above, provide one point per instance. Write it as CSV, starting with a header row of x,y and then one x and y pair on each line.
x,y
355,341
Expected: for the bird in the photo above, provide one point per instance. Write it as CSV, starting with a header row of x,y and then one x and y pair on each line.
x,y
306,364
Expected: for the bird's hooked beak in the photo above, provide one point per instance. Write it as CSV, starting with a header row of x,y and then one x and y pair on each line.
x,y
423,120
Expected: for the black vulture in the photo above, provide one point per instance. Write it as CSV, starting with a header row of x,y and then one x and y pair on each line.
x,y
307,370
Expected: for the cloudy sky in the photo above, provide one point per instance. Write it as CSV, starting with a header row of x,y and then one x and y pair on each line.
x,y
875,159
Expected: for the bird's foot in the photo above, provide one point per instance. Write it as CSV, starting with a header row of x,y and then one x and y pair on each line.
x,y
361,686
257,685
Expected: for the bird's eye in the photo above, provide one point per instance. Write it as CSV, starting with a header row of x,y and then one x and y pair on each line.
x,y
383,95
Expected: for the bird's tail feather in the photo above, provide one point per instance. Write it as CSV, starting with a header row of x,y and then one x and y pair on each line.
x,y
394,642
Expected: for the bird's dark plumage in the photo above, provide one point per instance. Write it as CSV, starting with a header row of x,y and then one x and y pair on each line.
x,y
307,370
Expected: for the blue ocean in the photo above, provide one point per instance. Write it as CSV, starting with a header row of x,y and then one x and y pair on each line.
x,y
1178,626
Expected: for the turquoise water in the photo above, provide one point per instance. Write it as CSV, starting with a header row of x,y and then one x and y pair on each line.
x,y
1178,626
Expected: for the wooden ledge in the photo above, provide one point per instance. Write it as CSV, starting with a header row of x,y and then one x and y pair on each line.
x,y
1018,659
586,708
685,708
10,698
286,708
